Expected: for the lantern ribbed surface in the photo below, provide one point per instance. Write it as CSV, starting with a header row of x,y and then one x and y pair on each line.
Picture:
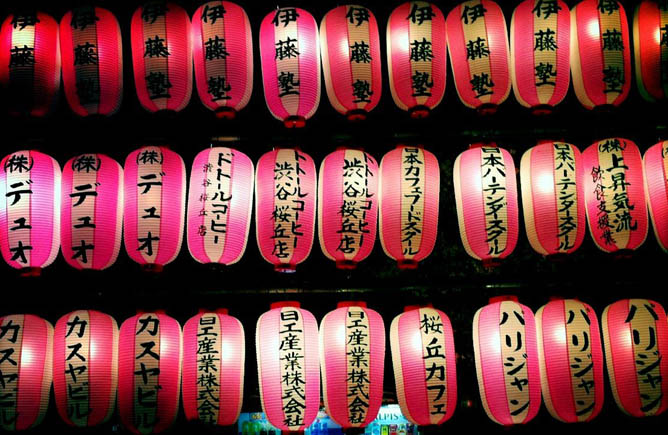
x,y
655,164
650,43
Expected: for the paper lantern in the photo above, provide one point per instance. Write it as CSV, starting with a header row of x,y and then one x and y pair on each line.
x,y
213,368
636,341
155,190
223,55
540,53
30,213
352,356
486,195
220,201
423,356
409,197
92,211
600,53
26,346
149,372
347,206
290,65
286,342
85,367
91,46
350,48
285,198
29,63
615,195
479,54
506,360
162,56
650,38
571,360
553,197
655,164
416,57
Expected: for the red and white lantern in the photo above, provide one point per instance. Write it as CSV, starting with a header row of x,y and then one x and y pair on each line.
x,y
149,372
220,201
288,362
85,367
424,361
162,56
92,52
352,356
655,164
479,54
600,53
409,198
350,47
214,353
155,190
223,56
615,194
416,57
635,336
26,346
571,360
650,38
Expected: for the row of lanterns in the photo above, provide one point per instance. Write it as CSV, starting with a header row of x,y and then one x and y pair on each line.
x,y
153,363
547,42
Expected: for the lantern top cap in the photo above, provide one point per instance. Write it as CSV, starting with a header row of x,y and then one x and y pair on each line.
x,y
345,304
285,304
503,298
408,308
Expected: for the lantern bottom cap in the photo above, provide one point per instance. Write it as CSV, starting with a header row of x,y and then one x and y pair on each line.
x,y
225,113
285,268
623,254
487,109
31,271
407,264
152,268
490,263
346,264
542,109
356,115
294,122
419,112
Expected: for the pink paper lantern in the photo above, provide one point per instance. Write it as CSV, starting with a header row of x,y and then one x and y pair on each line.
x,y
352,356
30,214
26,346
285,198
416,57
286,343
615,195
479,54
149,372
290,65
347,206
423,356
85,367
636,341
213,368
571,360
409,198
655,164
649,40
223,55
220,201
351,61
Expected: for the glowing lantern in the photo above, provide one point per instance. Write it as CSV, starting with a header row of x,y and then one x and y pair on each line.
x,y
350,48
290,65
423,356
409,196
655,164
540,50
347,206
149,372
85,367
30,215
286,343
571,360
636,342
615,195
220,201
90,42
486,195
26,346
650,54
352,356
553,197
600,53
162,56
416,57
213,368
30,63
155,189
223,55
479,54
